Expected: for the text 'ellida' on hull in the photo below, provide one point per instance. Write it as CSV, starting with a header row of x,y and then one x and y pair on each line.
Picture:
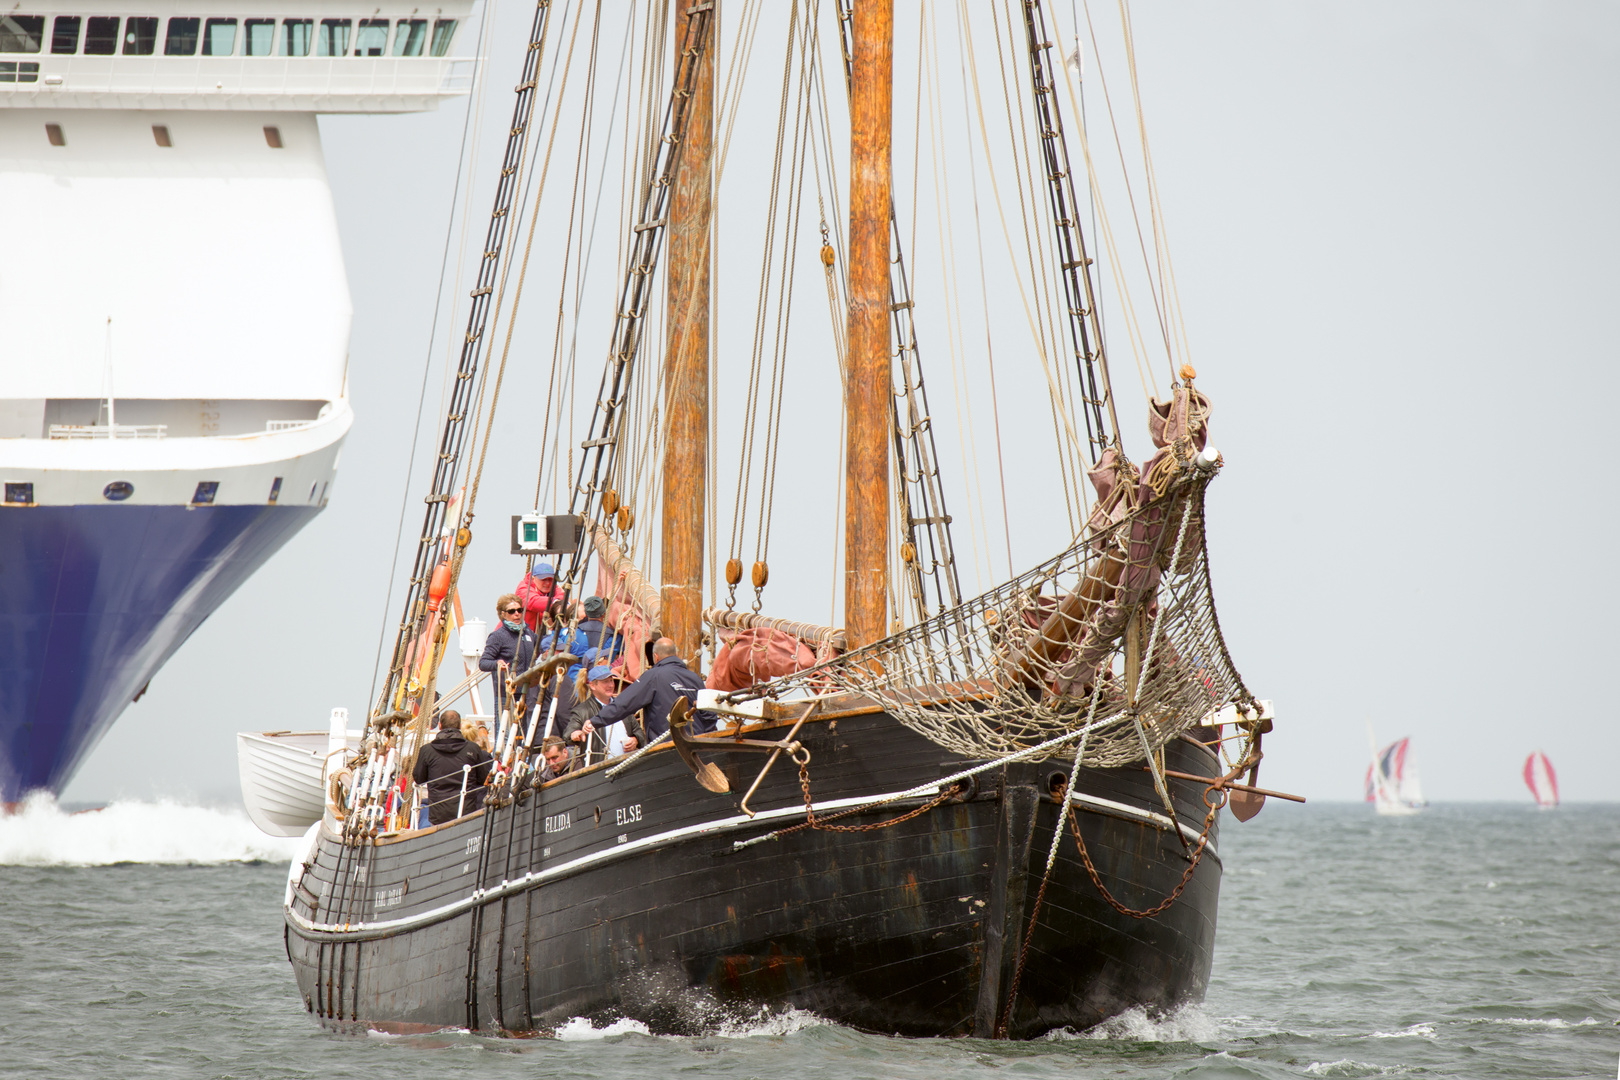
x,y
993,816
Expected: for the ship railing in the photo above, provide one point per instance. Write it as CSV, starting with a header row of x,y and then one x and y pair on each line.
x,y
109,431
340,77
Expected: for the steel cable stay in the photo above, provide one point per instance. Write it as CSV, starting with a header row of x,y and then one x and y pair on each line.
x,y
551,448
1044,259
1079,295
1064,427
601,444
531,191
392,702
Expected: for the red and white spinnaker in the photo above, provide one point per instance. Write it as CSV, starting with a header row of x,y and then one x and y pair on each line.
x,y
1541,780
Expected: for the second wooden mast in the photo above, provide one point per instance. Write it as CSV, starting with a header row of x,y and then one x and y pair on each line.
x,y
866,402
686,370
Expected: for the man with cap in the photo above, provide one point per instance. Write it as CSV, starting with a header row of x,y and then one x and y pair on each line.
x,y
448,766
598,634
656,691
536,592
582,728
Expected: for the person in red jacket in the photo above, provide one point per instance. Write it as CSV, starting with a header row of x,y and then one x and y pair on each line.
x,y
536,592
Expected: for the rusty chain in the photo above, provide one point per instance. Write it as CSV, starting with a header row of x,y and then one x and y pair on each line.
x,y
812,822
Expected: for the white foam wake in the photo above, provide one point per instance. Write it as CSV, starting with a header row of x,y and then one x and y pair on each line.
x,y
43,834
1189,1023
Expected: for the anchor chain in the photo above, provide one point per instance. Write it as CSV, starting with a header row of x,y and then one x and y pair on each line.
x,y
812,822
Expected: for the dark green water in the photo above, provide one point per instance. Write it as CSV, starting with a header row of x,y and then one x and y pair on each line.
x,y
1472,941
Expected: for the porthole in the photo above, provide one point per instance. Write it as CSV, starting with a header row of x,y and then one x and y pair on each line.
x,y
118,491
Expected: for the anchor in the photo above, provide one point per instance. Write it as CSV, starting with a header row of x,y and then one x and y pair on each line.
x,y
707,773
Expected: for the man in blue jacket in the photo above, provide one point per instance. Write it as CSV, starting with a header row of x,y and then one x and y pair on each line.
x,y
656,691
598,634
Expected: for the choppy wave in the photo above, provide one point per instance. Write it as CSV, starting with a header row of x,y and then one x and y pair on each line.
x,y
1345,1067
1188,1024
43,834
580,1029
767,1022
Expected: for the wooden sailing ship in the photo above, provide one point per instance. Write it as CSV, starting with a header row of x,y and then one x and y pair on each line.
x,y
997,821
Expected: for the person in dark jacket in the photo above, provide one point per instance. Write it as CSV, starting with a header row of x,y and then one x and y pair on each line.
x,y
559,762
656,691
584,731
443,763
598,634
509,645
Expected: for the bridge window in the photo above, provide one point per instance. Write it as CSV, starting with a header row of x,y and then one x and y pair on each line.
x,y
101,39
260,37
140,36
20,494
333,40
19,71
182,37
21,33
65,35
160,135
219,37
372,39
53,132
443,31
295,35
410,37
272,137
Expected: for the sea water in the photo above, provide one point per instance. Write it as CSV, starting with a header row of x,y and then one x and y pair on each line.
x,y
1469,941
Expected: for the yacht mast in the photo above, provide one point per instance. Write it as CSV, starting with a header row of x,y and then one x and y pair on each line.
x,y
866,402
686,368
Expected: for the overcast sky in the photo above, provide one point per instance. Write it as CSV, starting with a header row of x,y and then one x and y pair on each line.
x,y
1393,227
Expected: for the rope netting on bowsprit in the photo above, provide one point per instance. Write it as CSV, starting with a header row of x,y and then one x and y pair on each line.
x,y
1118,634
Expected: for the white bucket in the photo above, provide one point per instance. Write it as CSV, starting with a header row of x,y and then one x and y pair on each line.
x,y
473,633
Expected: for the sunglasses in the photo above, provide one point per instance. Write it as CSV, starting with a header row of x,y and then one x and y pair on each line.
x,y
511,611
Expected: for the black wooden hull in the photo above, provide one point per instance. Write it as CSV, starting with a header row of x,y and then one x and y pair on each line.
x,y
605,897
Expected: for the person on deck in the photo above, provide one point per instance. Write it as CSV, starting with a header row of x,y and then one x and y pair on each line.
x,y
593,739
448,766
559,762
656,691
598,634
476,732
511,645
559,639
536,592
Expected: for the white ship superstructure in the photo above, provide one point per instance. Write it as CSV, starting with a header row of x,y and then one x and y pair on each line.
x,y
175,324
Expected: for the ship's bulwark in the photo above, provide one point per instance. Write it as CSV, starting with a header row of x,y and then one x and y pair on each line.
x,y
93,600
626,898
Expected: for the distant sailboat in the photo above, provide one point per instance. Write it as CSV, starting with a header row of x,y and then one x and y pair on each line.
x,y
1393,786
1541,780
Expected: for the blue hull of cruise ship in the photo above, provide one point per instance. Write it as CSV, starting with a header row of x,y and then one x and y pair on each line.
x,y
93,600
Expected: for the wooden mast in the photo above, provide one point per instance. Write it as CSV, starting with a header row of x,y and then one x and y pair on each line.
x,y
686,370
866,394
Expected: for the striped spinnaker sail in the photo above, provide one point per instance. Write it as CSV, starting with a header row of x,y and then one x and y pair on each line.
x,y
1542,781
